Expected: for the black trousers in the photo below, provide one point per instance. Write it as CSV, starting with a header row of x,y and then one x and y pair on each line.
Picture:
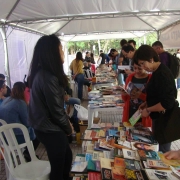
x,y
162,147
59,153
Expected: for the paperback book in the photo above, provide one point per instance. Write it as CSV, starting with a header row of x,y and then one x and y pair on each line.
x,y
158,164
93,166
79,166
132,164
146,154
94,176
144,146
130,154
135,118
160,174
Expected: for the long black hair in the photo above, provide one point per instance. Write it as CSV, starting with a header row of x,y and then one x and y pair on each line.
x,y
79,56
47,57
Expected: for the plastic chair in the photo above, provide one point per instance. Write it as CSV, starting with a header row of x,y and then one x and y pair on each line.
x,y
2,122
18,168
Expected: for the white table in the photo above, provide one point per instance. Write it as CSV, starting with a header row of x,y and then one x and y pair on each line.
x,y
94,112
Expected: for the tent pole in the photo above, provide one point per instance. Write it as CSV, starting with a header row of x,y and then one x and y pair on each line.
x,y
7,72
158,34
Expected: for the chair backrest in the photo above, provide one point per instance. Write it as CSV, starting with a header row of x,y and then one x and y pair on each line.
x,y
2,122
11,146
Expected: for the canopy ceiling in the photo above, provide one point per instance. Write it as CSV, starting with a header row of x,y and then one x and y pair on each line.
x,y
75,19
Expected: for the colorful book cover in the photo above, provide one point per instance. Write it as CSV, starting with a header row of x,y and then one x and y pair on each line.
x,y
156,164
141,132
97,155
135,117
145,154
143,138
160,174
112,132
106,174
88,156
96,147
80,157
130,154
93,166
118,152
94,176
144,146
132,164
79,166
109,154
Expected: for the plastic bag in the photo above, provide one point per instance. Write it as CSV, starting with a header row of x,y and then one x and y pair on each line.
x,y
82,113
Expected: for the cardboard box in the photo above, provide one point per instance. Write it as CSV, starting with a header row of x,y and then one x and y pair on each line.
x,y
96,120
82,129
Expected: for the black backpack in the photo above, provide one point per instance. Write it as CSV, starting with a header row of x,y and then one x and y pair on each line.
x,y
174,64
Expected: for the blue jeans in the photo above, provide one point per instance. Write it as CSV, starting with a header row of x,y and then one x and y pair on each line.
x,y
80,80
178,83
73,101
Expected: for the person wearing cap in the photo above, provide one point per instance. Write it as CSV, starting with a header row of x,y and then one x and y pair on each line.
x,y
3,90
8,93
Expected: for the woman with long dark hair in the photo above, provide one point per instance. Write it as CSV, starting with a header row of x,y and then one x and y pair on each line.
x,y
161,90
76,67
46,107
14,110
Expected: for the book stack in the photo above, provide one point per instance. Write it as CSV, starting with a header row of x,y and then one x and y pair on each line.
x,y
125,153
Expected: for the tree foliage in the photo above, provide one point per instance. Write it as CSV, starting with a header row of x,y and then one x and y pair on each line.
x,y
107,44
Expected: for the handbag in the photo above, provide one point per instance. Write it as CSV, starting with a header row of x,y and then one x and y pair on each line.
x,y
167,126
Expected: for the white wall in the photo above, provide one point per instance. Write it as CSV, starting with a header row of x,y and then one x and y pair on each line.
x,y
2,60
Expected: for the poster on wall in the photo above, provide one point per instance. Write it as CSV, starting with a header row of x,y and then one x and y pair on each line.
x,y
170,37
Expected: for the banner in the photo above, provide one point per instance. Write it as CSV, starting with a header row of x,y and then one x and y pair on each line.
x,y
170,37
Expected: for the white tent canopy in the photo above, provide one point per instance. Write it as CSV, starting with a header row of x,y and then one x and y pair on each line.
x,y
90,16
78,20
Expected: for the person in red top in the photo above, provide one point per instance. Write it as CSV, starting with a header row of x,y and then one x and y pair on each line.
x,y
136,88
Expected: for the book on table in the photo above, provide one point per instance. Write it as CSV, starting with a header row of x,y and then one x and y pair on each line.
x,y
94,176
160,174
118,170
158,164
80,178
79,166
134,175
106,166
148,154
93,166
132,164
130,154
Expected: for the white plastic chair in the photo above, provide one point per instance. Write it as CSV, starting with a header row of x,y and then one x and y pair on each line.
x,y
18,168
2,122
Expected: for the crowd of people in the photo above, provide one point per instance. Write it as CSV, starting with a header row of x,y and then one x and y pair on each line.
x,y
39,104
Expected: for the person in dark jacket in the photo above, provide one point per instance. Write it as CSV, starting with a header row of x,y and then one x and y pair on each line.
x,y
46,107
161,90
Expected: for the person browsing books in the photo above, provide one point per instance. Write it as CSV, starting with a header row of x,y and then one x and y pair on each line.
x,y
47,115
161,89
136,94
76,67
